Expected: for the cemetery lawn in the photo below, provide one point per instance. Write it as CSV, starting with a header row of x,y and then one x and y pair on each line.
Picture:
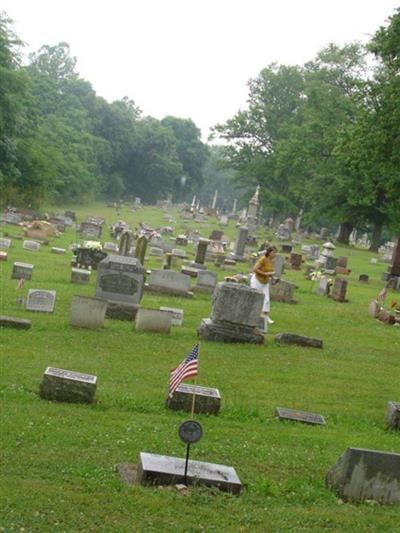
x,y
58,461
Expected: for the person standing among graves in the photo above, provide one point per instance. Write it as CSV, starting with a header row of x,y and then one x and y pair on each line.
x,y
262,273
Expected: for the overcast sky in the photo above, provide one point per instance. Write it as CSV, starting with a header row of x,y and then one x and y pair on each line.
x,y
190,58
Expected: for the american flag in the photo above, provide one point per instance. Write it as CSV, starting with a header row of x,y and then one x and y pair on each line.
x,y
21,283
187,369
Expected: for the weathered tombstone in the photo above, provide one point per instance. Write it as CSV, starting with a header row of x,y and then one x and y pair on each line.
x,y
169,282
206,281
339,289
176,315
295,261
282,291
240,243
373,309
216,235
32,246
323,233
125,243
300,416
207,400
120,279
299,340
80,275
140,250
22,270
87,312
181,240
153,320
235,315
179,253
164,470
154,251
342,262
393,415
5,243
3,256
330,263
40,300
200,254
279,266
363,278
67,386
59,251
323,287
15,323
223,220
90,230
361,474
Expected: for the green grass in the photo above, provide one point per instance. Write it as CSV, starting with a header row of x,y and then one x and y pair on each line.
x,y
58,460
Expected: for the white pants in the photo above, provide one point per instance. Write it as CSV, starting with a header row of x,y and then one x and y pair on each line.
x,y
261,287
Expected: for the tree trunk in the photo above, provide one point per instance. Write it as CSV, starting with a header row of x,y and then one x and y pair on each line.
x,y
344,233
376,237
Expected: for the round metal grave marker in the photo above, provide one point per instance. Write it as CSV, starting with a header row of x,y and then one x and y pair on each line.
x,y
190,431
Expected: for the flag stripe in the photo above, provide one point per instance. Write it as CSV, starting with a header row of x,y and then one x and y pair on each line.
x,y
188,368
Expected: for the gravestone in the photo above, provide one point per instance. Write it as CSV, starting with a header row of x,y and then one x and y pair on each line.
x,y
286,248
168,261
314,252
223,220
234,316
362,474
200,254
206,281
80,275
3,256
5,243
169,282
179,253
323,286
363,278
67,386
181,240
153,320
59,251
87,312
120,279
299,340
140,250
339,289
240,243
295,261
300,416
176,315
154,251
393,415
15,323
40,300
342,262
164,470
374,309
216,235
279,266
207,400
125,243
32,246
330,263
22,270
90,230
282,291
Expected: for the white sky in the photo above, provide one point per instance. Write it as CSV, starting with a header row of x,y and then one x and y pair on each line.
x,y
190,58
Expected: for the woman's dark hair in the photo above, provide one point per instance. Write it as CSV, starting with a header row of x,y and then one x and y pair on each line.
x,y
269,250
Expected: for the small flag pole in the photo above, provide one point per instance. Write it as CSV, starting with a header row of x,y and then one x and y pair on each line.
x,y
195,383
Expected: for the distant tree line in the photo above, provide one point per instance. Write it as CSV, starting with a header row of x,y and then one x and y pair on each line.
x,y
325,137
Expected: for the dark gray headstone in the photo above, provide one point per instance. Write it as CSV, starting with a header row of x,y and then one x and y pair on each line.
x,y
300,340
300,416
120,278
163,470
207,400
67,386
361,474
40,300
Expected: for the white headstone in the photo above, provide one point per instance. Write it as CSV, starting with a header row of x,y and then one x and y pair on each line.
x,y
41,300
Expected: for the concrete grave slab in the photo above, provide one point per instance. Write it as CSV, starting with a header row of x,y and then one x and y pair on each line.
x,y
13,322
164,470
299,340
284,413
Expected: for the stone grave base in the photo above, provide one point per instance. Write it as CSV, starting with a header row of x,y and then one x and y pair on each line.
x,y
190,271
203,289
299,340
121,311
165,290
156,469
198,266
222,331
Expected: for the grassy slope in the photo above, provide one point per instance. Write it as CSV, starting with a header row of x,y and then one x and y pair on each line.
x,y
58,460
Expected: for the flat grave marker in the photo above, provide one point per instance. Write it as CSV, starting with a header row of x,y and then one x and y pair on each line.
x,y
284,413
67,386
32,246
